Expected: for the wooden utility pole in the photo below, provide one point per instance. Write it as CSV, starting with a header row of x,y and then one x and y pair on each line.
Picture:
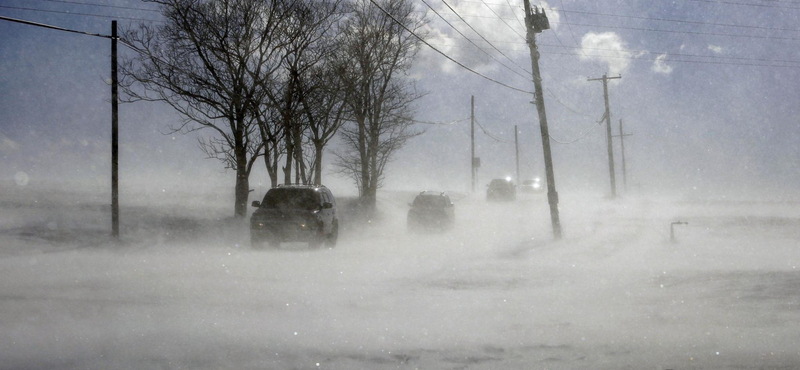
x,y
621,137
114,135
608,134
472,138
535,22
516,151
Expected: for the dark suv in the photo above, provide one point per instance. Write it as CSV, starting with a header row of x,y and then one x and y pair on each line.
x,y
295,213
501,189
431,211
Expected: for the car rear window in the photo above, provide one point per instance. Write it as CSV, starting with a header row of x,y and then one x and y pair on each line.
x,y
292,199
500,183
429,201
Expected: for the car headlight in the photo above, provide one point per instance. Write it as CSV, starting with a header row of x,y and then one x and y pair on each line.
x,y
537,185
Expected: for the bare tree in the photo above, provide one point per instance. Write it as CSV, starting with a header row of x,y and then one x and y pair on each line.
x,y
325,110
376,55
309,26
209,61
270,131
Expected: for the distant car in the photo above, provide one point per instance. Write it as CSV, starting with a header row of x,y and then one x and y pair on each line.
x,y
431,211
532,186
295,213
501,189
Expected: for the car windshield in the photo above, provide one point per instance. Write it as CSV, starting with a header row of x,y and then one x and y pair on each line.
x,y
528,182
429,201
499,183
287,198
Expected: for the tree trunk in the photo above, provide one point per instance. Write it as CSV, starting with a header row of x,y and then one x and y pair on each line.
x,y
296,170
287,170
242,191
318,163
373,137
273,176
362,149
300,173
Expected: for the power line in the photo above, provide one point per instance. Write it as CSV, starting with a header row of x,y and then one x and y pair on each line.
x,y
493,137
52,27
471,42
744,4
672,60
515,17
445,55
703,1
573,110
668,31
675,20
555,34
504,22
581,136
440,123
512,29
685,32
523,37
75,13
102,5
689,61
487,41
640,51
691,55
672,31
512,12
575,40
484,39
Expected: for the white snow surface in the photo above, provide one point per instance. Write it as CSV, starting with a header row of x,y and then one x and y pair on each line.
x,y
184,290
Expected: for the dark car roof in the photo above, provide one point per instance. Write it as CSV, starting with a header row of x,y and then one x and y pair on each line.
x,y
293,186
428,199
500,182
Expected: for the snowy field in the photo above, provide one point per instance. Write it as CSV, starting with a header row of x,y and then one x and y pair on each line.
x,y
185,291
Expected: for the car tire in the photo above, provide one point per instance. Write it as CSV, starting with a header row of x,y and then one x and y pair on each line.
x,y
333,237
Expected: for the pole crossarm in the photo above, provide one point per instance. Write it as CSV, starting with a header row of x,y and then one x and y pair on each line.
x,y
604,78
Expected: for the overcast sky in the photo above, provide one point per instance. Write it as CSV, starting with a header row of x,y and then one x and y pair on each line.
x,y
711,114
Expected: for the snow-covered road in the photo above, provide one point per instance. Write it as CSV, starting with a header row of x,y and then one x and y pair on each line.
x,y
186,291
